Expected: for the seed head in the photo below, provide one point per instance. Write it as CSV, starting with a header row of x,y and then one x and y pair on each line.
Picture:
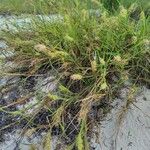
x,y
40,47
104,86
123,12
134,39
94,66
117,58
102,61
76,77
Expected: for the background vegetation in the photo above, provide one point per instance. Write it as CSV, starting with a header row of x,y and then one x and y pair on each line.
x,y
51,6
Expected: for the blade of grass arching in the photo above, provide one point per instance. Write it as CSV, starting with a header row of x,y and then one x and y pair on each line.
x,y
47,141
19,101
56,118
70,147
15,113
86,142
81,140
7,126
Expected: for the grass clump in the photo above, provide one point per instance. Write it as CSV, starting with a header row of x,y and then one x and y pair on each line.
x,y
85,51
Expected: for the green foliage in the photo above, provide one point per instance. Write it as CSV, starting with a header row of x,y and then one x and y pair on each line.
x,y
52,6
85,50
27,6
